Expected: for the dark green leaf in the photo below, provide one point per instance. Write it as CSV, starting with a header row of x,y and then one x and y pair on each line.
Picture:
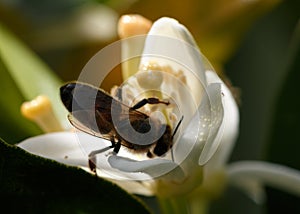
x,y
285,138
31,184
284,145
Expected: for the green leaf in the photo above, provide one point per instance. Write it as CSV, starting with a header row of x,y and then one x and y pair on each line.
x,y
25,77
31,184
284,144
13,127
284,141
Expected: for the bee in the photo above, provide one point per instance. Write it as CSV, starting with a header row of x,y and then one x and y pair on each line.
x,y
94,111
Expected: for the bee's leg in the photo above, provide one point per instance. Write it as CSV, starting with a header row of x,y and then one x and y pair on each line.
x,y
92,165
93,159
113,142
117,147
150,100
92,155
149,154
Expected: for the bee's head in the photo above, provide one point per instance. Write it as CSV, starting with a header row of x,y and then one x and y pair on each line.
x,y
66,95
164,143
79,96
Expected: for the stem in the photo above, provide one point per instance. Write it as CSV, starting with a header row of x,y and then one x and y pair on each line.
x,y
199,205
183,205
173,205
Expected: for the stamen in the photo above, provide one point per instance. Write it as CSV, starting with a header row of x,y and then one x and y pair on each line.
x,y
40,111
150,76
133,25
128,26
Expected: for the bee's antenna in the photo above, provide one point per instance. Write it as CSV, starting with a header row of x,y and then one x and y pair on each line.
x,y
177,126
175,130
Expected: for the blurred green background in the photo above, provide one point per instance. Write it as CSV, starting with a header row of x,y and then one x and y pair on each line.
x,y
253,43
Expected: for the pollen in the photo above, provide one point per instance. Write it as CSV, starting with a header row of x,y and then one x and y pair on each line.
x,y
132,25
40,111
150,75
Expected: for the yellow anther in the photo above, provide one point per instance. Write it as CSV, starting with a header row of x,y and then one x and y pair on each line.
x,y
150,76
151,65
132,25
179,74
40,111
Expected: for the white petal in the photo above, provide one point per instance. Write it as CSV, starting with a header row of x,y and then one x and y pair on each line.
x,y
216,118
170,44
136,187
60,146
229,129
68,148
166,26
197,143
248,174
153,167
71,148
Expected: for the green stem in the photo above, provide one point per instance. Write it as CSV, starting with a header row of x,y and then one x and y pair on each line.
x,y
183,205
173,205
198,205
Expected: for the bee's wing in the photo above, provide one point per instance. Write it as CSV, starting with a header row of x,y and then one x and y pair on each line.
x,y
125,126
133,115
88,127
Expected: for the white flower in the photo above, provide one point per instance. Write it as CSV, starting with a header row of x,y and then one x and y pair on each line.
x,y
172,67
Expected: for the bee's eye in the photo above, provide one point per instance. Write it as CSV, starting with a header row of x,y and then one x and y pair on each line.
x,y
160,149
141,126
